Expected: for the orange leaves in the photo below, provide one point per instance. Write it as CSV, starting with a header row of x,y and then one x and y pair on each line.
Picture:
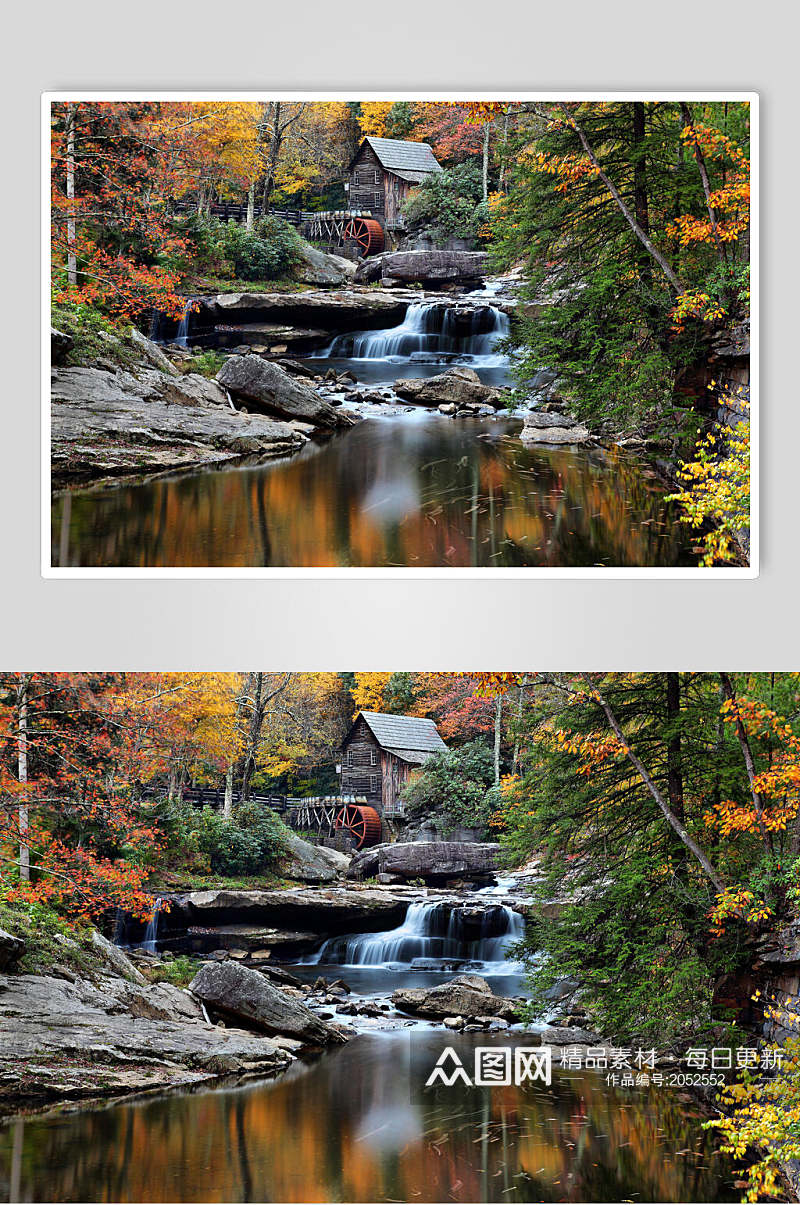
x,y
737,903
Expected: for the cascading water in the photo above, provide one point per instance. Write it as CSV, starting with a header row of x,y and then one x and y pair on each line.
x,y
151,932
182,333
431,331
433,931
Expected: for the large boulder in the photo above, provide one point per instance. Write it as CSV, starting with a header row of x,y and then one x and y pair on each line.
x,y
429,860
314,267
152,353
11,949
312,863
433,268
457,386
465,996
240,992
273,389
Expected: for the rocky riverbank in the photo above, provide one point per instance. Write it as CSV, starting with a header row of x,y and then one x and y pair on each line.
x,y
147,417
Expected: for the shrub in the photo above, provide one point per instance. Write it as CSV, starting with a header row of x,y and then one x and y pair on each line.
x,y
457,785
247,843
228,249
449,204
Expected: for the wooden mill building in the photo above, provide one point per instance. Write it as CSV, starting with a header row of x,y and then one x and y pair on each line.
x,y
383,173
379,753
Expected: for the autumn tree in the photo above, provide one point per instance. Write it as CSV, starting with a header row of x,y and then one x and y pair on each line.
x,y
664,805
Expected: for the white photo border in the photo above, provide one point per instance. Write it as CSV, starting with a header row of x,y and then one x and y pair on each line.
x,y
696,573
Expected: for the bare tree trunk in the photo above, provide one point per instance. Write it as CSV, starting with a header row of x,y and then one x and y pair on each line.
x,y
251,204
747,754
22,774
675,824
486,160
498,712
227,806
72,259
520,701
701,166
629,218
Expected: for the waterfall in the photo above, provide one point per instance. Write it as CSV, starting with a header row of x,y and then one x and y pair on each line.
x,y
182,333
432,931
431,330
151,932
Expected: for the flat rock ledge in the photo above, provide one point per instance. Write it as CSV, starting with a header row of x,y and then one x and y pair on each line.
x,y
540,428
109,424
66,1041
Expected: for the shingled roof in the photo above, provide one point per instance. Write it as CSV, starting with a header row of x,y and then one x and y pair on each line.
x,y
412,161
406,735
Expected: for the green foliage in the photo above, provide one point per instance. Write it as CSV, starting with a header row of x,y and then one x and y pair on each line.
x,y
639,965
456,786
251,841
95,336
228,249
449,204
48,937
606,318
207,363
179,970
635,925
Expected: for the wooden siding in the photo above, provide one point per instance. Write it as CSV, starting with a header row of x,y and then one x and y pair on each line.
x,y
361,765
374,188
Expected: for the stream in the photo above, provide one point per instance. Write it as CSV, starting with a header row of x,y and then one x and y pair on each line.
x,y
358,1123
408,489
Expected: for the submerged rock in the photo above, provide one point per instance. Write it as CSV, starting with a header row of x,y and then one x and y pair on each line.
x,y
465,996
251,997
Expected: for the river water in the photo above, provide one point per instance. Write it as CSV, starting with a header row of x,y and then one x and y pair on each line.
x,y
411,490
359,1125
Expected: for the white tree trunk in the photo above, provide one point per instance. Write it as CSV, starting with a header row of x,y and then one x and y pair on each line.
x,y
486,161
22,774
251,204
72,259
498,712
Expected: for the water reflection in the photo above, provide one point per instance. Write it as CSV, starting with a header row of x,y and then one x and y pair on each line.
x,y
349,1128
412,491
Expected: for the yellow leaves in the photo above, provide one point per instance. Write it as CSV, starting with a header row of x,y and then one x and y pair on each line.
x,y
369,692
718,490
373,117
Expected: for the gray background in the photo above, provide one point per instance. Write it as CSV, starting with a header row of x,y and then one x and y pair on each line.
x,y
303,624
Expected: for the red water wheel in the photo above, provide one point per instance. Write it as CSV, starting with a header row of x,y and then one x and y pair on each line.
x,y
362,823
366,233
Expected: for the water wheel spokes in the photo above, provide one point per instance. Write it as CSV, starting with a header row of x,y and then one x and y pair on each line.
x,y
366,233
361,822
